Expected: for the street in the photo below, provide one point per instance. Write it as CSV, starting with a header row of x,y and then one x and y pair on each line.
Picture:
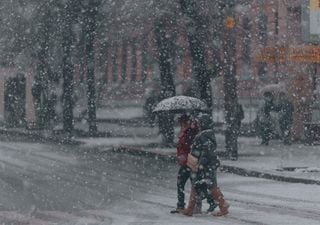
x,y
53,184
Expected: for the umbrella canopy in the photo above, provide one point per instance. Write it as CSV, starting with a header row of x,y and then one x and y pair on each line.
x,y
274,88
181,104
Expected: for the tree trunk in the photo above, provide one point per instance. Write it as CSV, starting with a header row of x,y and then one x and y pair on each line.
x,y
196,31
90,31
166,79
124,61
67,70
230,83
40,86
203,84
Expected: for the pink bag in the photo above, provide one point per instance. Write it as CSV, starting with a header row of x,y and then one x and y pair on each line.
x,y
192,162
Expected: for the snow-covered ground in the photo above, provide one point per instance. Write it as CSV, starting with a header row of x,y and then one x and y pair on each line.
x,y
52,184
55,185
253,201
296,160
118,113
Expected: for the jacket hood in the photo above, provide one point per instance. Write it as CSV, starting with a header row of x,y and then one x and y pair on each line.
x,y
209,134
205,121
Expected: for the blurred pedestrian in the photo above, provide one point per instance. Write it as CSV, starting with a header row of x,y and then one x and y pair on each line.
x,y
152,99
264,118
203,160
239,116
285,109
166,128
233,131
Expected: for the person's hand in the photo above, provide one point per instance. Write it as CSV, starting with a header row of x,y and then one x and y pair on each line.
x,y
192,162
181,160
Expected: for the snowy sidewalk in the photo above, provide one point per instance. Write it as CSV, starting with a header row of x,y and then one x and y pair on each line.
x,y
296,163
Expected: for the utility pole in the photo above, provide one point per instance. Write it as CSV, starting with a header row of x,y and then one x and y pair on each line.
x,y
229,79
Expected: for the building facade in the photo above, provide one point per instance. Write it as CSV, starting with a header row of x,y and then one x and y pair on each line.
x,y
284,53
277,46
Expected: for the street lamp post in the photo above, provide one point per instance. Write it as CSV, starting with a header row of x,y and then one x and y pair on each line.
x,y
230,82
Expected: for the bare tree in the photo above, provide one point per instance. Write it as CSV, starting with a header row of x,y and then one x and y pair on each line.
x,y
166,77
90,20
197,32
70,14
230,82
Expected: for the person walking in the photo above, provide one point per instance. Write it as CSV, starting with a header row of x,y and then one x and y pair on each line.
x,y
233,132
285,109
188,130
265,118
185,137
239,115
203,161
152,99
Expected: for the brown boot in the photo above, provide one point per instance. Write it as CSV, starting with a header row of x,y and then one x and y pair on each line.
x,y
198,208
223,205
192,203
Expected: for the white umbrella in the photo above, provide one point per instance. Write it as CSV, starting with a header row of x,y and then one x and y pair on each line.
x,y
181,104
273,88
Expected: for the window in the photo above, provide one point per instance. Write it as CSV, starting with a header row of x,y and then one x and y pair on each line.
x,y
263,29
246,51
294,24
276,22
262,71
246,40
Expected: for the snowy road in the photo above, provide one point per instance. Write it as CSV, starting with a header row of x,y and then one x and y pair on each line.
x,y
51,184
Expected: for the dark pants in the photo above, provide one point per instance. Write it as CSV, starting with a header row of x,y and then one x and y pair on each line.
x,y
208,176
231,140
266,133
286,132
204,182
183,176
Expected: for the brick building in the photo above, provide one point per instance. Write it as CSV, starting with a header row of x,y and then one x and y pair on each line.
x,y
283,43
277,45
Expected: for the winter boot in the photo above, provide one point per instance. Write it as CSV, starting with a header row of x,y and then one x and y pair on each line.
x,y
211,208
223,205
177,210
198,208
192,203
211,202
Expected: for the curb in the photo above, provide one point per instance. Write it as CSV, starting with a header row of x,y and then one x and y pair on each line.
x,y
269,176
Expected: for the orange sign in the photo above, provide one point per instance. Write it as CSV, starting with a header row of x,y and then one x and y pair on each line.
x,y
314,5
230,22
308,54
